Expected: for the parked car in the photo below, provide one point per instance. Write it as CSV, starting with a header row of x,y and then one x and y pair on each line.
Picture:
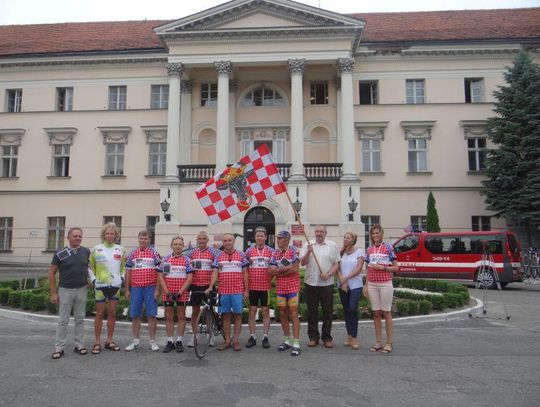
x,y
460,255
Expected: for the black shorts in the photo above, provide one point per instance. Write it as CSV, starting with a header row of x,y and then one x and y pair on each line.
x,y
178,303
196,299
256,297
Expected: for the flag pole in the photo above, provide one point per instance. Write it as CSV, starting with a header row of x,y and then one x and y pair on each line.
x,y
297,217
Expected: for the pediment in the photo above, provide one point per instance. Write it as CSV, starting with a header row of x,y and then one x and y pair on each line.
x,y
245,15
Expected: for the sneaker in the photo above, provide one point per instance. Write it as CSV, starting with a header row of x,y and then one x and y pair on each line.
x,y
179,346
169,347
284,346
190,343
251,342
265,342
295,351
154,346
132,346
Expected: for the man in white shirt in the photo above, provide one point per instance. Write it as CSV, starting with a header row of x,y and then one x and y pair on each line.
x,y
319,285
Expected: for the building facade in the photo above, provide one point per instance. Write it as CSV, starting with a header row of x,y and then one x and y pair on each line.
x,y
106,121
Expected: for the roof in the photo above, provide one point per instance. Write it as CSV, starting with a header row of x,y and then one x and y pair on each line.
x,y
117,36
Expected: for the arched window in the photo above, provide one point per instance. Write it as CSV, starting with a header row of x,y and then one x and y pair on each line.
x,y
263,96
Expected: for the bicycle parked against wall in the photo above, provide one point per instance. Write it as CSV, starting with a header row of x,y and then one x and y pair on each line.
x,y
209,324
531,264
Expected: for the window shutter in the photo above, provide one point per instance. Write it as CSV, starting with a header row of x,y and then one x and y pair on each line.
x,y
246,146
278,150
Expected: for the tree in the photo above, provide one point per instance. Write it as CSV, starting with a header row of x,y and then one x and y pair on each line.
x,y
432,222
512,189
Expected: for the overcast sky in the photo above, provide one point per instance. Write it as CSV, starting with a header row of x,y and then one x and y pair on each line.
x,y
56,11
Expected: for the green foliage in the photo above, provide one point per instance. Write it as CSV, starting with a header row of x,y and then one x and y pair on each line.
x,y
90,306
432,223
413,308
122,304
4,295
26,297
339,312
13,284
424,307
454,300
51,307
512,189
439,302
30,283
15,299
38,302
245,316
402,308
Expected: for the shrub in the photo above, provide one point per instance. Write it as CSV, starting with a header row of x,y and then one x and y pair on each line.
x,y
424,307
122,304
454,300
4,295
14,299
339,312
413,308
302,310
402,308
43,282
38,302
51,306
245,316
25,302
28,283
13,284
439,302
90,306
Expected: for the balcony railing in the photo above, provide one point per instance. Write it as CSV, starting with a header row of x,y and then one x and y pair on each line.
x,y
322,171
312,171
195,172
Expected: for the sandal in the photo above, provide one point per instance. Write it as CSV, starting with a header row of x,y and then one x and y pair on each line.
x,y
112,346
388,348
376,348
81,351
237,347
96,349
58,354
225,346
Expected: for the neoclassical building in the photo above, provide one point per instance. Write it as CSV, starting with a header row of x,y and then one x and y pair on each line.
x,y
365,114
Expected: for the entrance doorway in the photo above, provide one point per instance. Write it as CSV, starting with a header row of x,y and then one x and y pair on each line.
x,y
259,216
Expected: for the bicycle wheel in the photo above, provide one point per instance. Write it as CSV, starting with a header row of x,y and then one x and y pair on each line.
x,y
533,268
217,325
201,338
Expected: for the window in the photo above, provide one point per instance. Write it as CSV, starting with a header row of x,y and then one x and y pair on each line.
x,y
418,155
64,99
60,163
371,155
9,161
159,97
369,92
157,160
406,244
151,227
263,97
369,221
418,223
276,146
14,100
474,90
117,97
481,223
56,229
319,93
209,94
6,233
477,150
415,91
115,159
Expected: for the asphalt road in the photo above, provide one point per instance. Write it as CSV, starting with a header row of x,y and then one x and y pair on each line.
x,y
438,361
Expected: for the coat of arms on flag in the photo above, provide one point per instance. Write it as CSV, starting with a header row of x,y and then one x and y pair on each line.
x,y
250,181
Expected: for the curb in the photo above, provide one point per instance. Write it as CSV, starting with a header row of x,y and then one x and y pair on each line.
x,y
28,316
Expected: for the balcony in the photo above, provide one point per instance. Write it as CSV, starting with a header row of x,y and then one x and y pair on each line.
x,y
313,171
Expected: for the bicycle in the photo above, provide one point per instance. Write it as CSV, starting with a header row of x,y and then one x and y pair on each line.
x,y
531,263
209,323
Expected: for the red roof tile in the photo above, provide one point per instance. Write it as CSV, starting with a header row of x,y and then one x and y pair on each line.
x,y
380,27
451,25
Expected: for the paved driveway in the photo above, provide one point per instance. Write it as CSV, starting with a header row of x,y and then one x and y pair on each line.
x,y
453,361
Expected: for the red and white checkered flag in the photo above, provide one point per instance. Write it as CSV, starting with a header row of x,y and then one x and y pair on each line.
x,y
250,181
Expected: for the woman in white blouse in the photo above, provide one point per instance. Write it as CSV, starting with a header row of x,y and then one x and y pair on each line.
x,y
350,285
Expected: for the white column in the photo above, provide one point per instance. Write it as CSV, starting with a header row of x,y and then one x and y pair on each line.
x,y
296,69
346,68
175,72
338,121
185,123
232,122
222,136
